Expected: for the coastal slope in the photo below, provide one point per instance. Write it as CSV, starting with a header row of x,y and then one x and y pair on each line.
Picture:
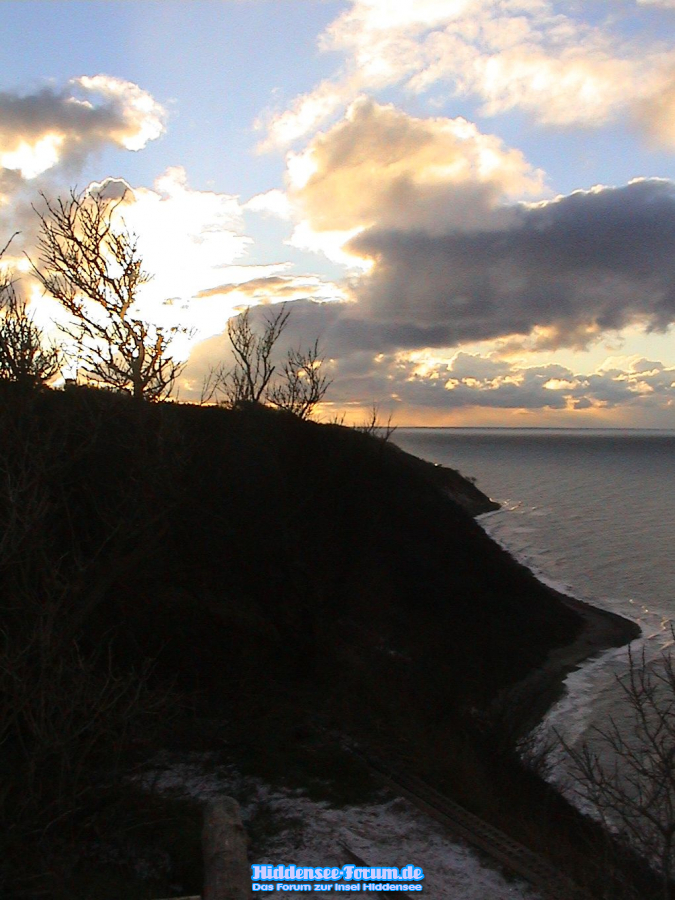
x,y
274,580
214,537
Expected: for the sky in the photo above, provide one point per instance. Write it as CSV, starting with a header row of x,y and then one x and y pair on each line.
x,y
470,203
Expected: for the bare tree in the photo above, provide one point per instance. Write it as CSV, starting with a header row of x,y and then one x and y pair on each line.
x,y
298,386
302,384
628,773
376,428
24,356
94,269
253,369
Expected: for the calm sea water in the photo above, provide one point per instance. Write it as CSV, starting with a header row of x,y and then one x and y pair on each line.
x,y
592,512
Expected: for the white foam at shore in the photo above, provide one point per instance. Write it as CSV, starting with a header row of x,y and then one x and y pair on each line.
x,y
591,692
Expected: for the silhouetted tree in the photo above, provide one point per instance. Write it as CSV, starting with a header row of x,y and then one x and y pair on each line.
x,y
628,772
302,384
93,267
376,428
298,386
253,369
24,356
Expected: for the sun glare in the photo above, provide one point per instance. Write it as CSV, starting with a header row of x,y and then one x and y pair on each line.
x,y
31,160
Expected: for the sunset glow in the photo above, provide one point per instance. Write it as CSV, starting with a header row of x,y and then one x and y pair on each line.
x,y
471,204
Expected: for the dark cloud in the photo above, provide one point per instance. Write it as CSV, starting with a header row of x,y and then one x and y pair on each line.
x,y
573,268
51,126
46,136
363,375
562,274
559,273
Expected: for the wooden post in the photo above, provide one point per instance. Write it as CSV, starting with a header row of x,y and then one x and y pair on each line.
x,y
227,874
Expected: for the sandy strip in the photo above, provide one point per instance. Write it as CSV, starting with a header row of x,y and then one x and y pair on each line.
x,y
544,686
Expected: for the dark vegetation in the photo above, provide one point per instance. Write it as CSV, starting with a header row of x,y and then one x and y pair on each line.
x,y
186,576
636,799
25,358
219,540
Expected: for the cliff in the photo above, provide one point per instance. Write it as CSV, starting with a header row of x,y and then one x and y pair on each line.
x,y
459,489
269,574
208,537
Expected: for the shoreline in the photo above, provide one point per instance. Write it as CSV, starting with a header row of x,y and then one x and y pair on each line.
x,y
539,691
600,630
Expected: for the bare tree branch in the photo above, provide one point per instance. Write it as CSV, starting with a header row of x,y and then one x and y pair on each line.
x,y
302,384
24,357
297,387
374,427
627,772
253,355
95,271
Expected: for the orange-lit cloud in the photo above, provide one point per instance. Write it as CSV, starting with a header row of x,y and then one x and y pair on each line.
x,y
467,380
381,167
270,288
450,256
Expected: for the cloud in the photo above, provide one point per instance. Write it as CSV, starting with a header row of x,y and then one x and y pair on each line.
x,y
271,288
47,136
363,371
51,127
447,381
520,54
563,271
193,243
189,240
307,114
309,320
558,387
547,274
470,380
382,167
271,203
448,256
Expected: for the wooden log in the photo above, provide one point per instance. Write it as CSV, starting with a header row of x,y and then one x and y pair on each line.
x,y
227,874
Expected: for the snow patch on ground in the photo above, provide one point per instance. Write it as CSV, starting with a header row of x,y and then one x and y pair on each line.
x,y
307,832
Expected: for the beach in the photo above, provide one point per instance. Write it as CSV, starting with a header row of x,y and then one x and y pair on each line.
x,y
538,692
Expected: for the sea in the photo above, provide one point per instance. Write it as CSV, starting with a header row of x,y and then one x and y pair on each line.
x,y
592,513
